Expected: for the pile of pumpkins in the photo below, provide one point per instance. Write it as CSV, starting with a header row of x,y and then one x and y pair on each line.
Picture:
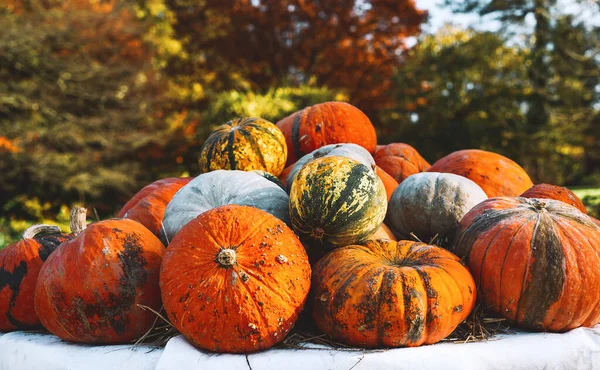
x,y
291,212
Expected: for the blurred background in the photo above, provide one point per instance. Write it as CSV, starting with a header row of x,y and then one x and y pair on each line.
x,y
101,97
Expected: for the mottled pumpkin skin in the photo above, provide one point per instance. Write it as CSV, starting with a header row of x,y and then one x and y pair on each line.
x,y
352,151
400,160
389,182
535,261
497,175
547,191
336,201
20,264
148,205
244,144
390,294
89,289
326,123
431,205
245,306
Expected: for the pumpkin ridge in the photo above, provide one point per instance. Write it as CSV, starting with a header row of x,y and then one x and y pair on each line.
x,y
506,255
255,148
383,289
424,333
543,291
264,283
370,312
500,229
13,280
415,321
261,314
272,135
335,305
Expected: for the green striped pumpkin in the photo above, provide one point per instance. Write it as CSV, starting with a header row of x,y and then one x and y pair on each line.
x,y
244,144
336,201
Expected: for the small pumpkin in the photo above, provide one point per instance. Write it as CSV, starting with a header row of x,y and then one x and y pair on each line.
x,y
218,188
383,232
235,279
20,264
389,182
336,201
244,144
497,175
89,290
352,151
547,191
532,259
323,124
430,204
400,160
148,205
390,294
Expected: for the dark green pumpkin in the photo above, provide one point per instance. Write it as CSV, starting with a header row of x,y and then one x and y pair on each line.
x,y
336,201
244,144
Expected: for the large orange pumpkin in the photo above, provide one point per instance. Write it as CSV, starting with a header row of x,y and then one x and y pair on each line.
x,y
20,264
547,191
536,262
89,289
400,160
148,205
326,123
497,175
389,294
234,280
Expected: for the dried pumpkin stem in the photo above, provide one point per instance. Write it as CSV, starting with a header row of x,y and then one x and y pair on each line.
x,y
226,257
78,223
36,230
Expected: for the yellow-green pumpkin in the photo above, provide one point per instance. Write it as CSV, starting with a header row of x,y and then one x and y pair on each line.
x,y
245,144
336,201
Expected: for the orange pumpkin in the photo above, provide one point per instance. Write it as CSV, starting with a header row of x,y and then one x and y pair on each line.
x,y
596,221
536,262
20,264
400,160
326,123
234,280
383,232
547,191
390,294
89,289
148,205
285,173
388,181
497,175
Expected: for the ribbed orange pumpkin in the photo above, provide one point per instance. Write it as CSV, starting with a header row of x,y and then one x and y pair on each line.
x,y
497,175
400,160
326,123
536,262
547,191
20,264
148,205
89,289
388,181
389,294
234,280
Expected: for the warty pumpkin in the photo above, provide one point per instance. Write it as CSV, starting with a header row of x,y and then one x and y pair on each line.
x,y
244,144
89,290
148,205
431,204
218,188
352,151
323,124
547,191
535,261
20,264
400,160
235,279
336,201
497,175
390,294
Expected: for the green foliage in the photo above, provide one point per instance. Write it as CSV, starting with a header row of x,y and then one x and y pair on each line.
x,y
590,198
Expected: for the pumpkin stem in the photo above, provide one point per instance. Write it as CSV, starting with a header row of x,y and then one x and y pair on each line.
x,y
36,230
538,204
318,232
78,223
226,257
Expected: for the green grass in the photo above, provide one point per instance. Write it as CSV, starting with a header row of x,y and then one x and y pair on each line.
x,y
591,198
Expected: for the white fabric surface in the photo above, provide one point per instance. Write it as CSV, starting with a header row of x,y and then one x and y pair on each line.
x,y
578,349
33,351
